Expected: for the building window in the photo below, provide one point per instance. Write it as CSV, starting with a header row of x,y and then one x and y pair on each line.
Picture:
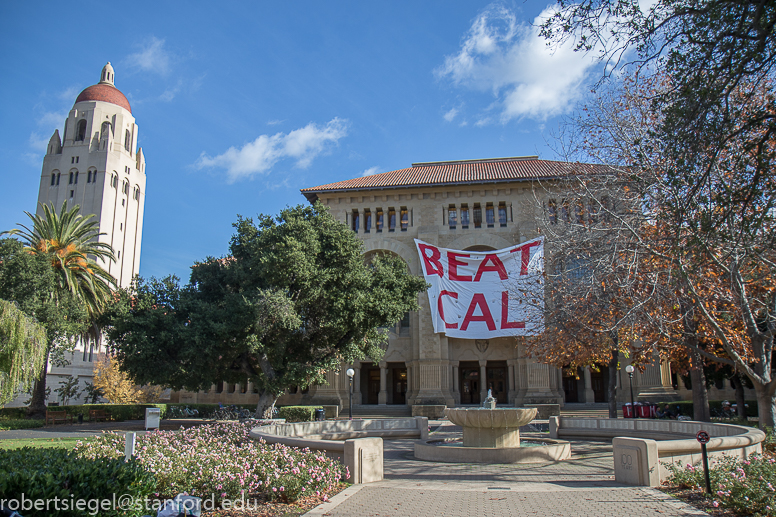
x,y
489,215
391,219
405,321
367,220
77,159
88,176
356,221
127,140
579,212
122,201
405,218
119,254
502,214
58,175
53,179
564,210
75,175
464,216
379,220
452,217
70,182
477,215
121,225
71,194
80,131
72,160
552,211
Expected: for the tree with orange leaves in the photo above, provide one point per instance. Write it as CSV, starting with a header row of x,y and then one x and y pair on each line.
x,y
699,221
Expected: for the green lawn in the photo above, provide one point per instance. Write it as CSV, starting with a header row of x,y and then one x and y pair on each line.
x,y
66,443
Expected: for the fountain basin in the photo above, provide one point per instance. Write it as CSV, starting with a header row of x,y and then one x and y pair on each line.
x,y
554,450
496,428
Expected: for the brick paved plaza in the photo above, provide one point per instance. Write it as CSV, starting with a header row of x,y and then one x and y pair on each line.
x,y
582,486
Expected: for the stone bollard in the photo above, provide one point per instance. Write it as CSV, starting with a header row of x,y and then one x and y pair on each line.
x,y
364,460
636,461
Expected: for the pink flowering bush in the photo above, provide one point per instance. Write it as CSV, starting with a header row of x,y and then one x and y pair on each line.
x,y
221,459
745,486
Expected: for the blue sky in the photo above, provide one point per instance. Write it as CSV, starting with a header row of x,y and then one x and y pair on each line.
x,y
241,105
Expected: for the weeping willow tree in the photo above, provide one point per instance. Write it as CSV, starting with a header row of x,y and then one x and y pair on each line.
x,y
23,345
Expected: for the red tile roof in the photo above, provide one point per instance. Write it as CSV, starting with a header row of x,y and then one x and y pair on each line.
x,y
491,170
104,93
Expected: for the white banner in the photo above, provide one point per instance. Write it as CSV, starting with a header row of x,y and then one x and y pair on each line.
x,y
481,295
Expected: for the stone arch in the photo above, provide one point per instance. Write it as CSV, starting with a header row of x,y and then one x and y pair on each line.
x,y
484,239
407,254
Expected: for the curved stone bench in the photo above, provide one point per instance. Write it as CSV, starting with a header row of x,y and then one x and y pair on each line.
x,y
642,448
358,444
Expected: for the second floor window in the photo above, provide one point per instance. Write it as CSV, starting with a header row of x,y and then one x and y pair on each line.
x,y
464,216
405,218
502,214
489,215
379,220
356,221
391,219
452,217
367,220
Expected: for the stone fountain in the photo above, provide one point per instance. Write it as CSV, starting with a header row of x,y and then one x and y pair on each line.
x,y
491,435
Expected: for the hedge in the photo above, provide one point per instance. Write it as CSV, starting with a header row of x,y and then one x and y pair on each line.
x,y
685,406
298,413
8,424
45,474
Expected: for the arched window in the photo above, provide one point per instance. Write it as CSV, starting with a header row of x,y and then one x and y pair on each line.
x,y
127,140
58,175
53,179
89,177
80,132
104,129
71,179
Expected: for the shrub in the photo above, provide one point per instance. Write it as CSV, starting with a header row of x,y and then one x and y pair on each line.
x,y
298,413
221,460
745,486
13,412
19,423
43,474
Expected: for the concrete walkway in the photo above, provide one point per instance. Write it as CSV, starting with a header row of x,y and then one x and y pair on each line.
x,y
582,486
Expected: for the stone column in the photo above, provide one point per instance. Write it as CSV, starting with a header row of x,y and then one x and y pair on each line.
x,y
589,394
511,382
357,384
654,385
382,397
483,381
456,384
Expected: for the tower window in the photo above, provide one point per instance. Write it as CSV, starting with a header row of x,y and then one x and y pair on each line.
x,y
53,179
71,179
71,193
75,175
119,254
122,201
58,175
127,140
80,132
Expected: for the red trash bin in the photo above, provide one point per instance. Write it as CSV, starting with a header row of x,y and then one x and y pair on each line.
x,y
627,411
642,411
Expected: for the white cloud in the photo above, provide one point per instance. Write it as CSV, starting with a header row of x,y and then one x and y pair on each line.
x,y
450,115
274,122
510,60
370,171
152,57
258,157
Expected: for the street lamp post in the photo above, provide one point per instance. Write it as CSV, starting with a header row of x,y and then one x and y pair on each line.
x,y
630,370
350,373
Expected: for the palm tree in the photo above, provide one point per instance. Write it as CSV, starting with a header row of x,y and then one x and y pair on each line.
x,y
70,242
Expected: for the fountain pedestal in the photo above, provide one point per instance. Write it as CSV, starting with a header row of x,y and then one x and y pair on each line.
x,y
494,428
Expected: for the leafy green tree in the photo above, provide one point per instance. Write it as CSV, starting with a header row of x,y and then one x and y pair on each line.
x,y
22,350
293,300
67,389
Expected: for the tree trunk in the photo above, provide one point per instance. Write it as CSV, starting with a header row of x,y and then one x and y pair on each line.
x,y
766,403
700,395
266,406
738,384
612,383
37,408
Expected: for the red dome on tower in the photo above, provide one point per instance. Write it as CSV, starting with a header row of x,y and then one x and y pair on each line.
x,y
105,91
